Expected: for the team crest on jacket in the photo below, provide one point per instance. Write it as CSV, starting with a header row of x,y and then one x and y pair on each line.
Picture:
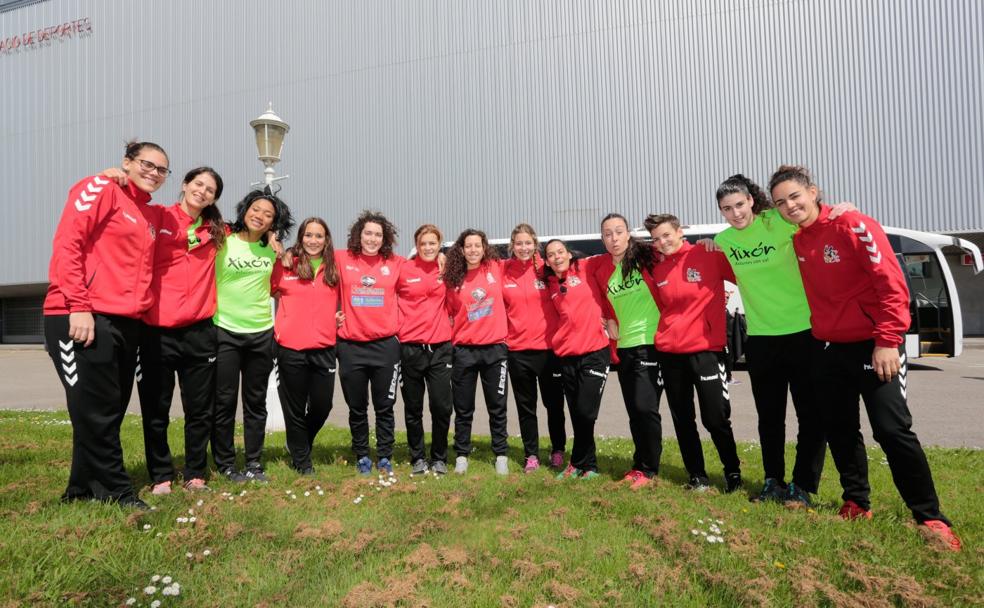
x,y
830,255
478,294
489,278
153,233
367,281
538,284
573,281
385,271
693,275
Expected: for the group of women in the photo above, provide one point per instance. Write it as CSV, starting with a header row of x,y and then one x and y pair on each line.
x,y
145,291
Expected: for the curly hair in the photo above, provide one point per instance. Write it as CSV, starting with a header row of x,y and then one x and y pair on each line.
x,y
376,217
302,261
455,266
282,220
739,184
211,215
639,256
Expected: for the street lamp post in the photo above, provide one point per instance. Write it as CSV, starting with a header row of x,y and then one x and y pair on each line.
x,y
270,130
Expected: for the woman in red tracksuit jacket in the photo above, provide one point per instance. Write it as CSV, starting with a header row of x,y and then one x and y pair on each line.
x,y
368,349
859,305
179,336
99,286
425,350
304,332
582,345
532,321
688,286
474,278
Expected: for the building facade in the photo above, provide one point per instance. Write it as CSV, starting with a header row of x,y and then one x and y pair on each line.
x,y
485,113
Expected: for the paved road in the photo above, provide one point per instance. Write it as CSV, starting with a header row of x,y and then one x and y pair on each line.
x,y
945,396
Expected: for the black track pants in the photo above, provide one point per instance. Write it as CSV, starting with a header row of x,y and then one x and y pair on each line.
x,y
365,366
526,369
642,385
98,381
470,362
777,364
426,366
249,356
189,352
705,371
844,373
305,385
584,377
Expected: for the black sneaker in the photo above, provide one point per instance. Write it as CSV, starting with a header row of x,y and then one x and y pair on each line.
x,y
233,475
439,467
732,482
772,491
254,472
419,467
132,502
698,483
797,497
307,471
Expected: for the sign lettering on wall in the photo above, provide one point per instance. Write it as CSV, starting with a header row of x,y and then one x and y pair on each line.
x,y
46,36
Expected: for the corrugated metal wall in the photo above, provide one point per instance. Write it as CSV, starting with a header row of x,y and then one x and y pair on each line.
x,y
488,112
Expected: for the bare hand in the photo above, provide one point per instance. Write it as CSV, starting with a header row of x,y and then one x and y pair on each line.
x,y
886,361
287,260
275,243
841,209
82,327
339,318
709,244
117,175
441,261
611,326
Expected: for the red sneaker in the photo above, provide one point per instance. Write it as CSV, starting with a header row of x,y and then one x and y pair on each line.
x,y
637,479
851,510
940,532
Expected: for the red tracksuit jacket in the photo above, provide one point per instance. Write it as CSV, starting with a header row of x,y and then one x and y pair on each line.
x,y
854,284
184,279
305,309
532,319
579,304
688,287
421,294
368,293
103,252
477,309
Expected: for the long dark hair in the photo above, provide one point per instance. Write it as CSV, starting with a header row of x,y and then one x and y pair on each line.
x,y
211,216
133,148
282,220
455,266
355,233
548,270
639,256
739,184
302,261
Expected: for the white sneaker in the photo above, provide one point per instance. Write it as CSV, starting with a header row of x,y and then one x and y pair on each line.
x,y
501,465
461,465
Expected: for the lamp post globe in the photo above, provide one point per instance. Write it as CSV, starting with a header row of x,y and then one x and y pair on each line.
x,y
270,130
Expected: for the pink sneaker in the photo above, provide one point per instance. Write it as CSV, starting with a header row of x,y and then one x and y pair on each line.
x,y
532,464
557,460
939,532
196,485
161,489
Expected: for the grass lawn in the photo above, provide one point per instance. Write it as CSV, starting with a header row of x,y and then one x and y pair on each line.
x,y
477,540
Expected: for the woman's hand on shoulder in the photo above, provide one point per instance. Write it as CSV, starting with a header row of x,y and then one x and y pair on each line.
x,y
709,244
117,175
840,209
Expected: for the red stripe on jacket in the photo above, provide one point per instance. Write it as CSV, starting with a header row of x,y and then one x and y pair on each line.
x,y
854,284
184,279
421,294
306,309
368,294
688,287
579,306
477,309
103,251
531,317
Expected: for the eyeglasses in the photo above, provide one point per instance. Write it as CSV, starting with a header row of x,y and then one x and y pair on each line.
x,y
149,166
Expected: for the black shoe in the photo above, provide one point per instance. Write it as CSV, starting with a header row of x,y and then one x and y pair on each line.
x,y
419,467
797,497
772,491
233,475
732,482
132,502
307,471
698,483
254,472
